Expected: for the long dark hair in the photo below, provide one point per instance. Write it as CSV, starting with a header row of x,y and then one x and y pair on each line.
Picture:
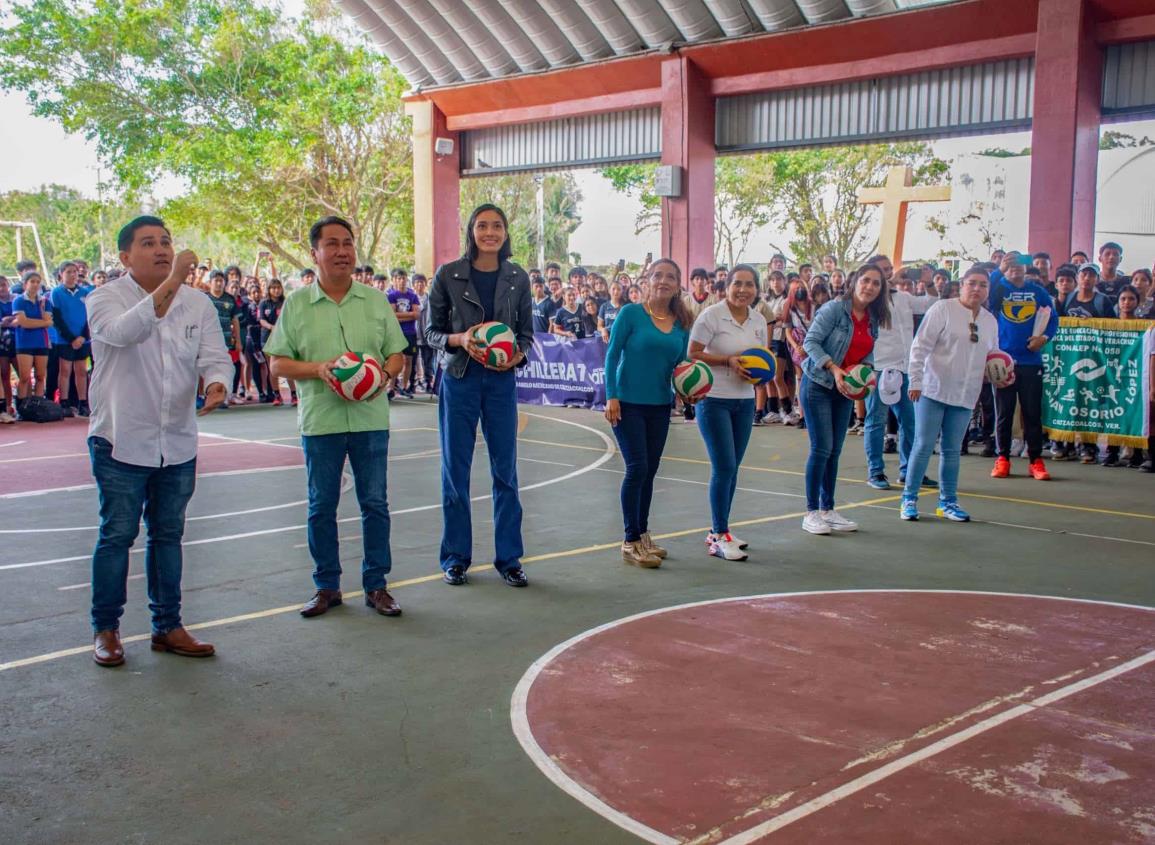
x,y
879,310
677,306
471,249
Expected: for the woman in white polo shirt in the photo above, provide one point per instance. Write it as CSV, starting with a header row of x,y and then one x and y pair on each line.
x,y
947,364
721,333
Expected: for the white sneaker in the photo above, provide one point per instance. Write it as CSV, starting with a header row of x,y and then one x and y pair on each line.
x,y
837,522
711,537
6,418
815,524
726,547
772,418
791,419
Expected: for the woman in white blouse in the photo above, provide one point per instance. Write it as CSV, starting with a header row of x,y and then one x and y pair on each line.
x,y
720,335
947,365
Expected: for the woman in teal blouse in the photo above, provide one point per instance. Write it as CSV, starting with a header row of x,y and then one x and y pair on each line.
x,y
647,341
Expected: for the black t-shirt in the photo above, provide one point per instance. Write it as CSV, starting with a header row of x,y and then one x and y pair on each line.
x,y
227,309
1112,288
589,324
269,311
485,281
569,321
1100,306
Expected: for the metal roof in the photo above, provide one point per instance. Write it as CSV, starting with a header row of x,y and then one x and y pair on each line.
x,y
441,42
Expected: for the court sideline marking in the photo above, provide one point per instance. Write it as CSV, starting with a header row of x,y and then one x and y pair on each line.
x,y
548,767
607,454
408,582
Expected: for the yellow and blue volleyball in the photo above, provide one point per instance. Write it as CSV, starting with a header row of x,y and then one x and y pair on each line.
x,y
760,363
861,379
693,379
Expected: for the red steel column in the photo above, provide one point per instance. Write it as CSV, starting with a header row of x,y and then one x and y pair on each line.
x,y
688,141
436,190
1065,135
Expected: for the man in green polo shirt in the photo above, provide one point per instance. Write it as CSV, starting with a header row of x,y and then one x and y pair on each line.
x,y
317,325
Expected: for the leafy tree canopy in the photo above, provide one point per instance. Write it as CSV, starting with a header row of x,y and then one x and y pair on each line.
x,y
270,123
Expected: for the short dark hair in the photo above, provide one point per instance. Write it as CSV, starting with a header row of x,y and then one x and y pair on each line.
x,y
699,271
1033,271
420,276
874,259
216,274
65,265
533,270
749,268
1069,271
1111,245
127,233
381,277
1082,253
308,271
537,282
368,268
399,271
553,265
777,255
231,268
1046,256
24,266
331,220
802,267
577,271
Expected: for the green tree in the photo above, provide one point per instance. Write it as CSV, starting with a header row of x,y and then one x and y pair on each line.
x,y
70,225
516,195
270,123
812,193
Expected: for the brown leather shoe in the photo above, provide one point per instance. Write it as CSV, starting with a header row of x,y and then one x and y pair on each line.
x,y
320,603
106,648
179,641
382,602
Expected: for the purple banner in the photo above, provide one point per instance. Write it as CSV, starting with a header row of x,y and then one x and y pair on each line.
x,y
565,372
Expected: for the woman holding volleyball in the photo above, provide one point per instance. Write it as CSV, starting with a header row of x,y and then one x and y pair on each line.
x,y
647,341
841,336
482,286
947,365
721,334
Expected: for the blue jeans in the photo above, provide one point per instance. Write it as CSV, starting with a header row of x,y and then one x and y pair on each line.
x,y
827,417
641,435
933,418
491,398
368,453
126,491
875,429
725,425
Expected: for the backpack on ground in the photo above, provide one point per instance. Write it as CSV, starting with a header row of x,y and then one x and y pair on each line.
x,y
40,410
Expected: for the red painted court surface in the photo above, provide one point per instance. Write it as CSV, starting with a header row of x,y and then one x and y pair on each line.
x,y
54,456
881,717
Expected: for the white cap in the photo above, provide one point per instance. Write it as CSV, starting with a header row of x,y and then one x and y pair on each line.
x,y
890,386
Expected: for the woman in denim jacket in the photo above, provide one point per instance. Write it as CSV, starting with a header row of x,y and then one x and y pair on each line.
x,y
841,336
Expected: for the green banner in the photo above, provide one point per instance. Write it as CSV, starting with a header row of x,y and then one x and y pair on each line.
x,y
1096,381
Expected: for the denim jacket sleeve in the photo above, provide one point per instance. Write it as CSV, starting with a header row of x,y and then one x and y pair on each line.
x,y
820,330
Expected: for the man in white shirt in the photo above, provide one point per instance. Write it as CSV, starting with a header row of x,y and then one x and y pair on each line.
x,y
153,338
892,351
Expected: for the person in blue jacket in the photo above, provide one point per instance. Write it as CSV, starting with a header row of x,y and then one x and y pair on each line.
x,y
71,345
647,341
841,336
1016,302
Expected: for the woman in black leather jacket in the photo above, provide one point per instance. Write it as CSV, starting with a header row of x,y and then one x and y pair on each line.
x,y
481,286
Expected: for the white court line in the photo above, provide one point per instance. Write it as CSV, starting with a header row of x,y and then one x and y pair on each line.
x,y
812,806
77,487
1035,528
89,583
607,455
12,443
740,489
521,728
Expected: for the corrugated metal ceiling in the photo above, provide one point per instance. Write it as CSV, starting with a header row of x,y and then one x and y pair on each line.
x,y
440,42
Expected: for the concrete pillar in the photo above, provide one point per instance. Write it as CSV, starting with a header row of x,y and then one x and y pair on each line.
x,y
688,142
436,190
1065,135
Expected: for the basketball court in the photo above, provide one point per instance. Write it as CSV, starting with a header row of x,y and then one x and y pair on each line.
x,y
926,682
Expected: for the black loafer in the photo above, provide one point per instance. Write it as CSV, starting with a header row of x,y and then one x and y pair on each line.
x,y
456,576
515,577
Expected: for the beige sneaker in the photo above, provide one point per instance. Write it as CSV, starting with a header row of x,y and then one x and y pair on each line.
x,y
653,548
635,555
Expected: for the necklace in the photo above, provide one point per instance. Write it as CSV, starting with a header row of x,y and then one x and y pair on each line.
x,y
655,316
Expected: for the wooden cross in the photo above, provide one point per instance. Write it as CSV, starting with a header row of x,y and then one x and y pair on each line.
x,y
894,197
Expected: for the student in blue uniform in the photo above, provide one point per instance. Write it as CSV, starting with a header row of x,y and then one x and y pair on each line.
x,y
31,317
